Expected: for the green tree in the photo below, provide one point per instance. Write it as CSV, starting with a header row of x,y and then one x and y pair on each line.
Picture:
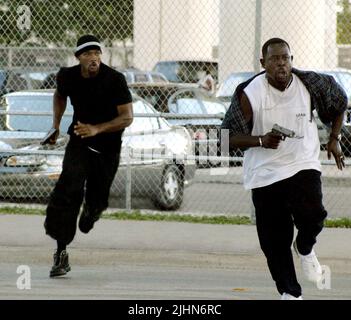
x,y
60,22
344,23
10,34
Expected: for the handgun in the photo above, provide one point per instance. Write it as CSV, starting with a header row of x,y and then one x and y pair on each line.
x,y
283,132
49,136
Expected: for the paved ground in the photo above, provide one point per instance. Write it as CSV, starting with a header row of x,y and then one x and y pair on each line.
x,y
218,191
157,260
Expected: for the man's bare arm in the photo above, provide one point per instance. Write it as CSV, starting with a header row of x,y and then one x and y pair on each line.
x,y
123,121
269,140
333,146
59,108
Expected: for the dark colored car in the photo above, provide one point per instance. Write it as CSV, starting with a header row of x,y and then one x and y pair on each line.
x,y
228,86
11,81
193,108
343,77
153,157
187,71
136,76
49,81
131,75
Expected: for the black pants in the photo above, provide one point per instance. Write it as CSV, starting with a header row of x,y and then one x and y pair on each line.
x,y
297,200
86,175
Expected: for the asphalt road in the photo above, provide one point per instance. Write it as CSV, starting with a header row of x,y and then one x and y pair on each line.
x,y
219,191
128,260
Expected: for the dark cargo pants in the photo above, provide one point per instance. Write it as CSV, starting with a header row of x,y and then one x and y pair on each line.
x,y
294,201
86,176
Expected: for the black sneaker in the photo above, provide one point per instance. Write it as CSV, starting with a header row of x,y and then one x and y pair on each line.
x,y
86,220
61,265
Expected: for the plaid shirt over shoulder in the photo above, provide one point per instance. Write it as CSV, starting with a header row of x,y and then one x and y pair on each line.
x,y
327,97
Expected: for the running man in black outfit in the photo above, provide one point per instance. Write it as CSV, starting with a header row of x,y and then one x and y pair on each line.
x,y
102,107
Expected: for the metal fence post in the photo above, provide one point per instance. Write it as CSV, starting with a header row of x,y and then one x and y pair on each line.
x,y
128,182
252,213
258,36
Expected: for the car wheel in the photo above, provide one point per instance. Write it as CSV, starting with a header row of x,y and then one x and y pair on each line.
x,y
171,190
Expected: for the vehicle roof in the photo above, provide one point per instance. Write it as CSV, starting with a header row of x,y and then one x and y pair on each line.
x,y
38,92
332,70
141,72
163,85
188,60
313,70
48,92
241,72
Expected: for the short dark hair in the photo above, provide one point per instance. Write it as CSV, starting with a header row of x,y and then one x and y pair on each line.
x,y
270,42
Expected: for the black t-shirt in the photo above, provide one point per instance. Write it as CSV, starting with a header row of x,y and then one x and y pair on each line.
x,y
94,101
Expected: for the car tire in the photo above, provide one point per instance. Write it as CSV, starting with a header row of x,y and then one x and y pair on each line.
x,y
171,190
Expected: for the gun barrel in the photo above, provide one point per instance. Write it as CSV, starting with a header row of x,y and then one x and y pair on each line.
x,y
283,131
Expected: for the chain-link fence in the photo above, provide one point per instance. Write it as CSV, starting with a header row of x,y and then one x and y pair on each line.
x,y
185,59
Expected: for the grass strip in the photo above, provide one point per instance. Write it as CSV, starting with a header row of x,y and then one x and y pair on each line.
x,y
186,218
221,219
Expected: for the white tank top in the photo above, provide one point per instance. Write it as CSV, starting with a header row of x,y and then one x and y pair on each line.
x,y
289,109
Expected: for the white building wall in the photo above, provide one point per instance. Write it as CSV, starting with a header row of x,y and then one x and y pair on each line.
x,y
191,29
330,29
303,24
174,30
237,36
147,32
308,26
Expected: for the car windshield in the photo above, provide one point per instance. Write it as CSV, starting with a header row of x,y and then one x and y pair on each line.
x,y
169,69
187,71
155,95
128,76
193,71
345,79
228,87
158,77
214,107
195,106
34,104
146,123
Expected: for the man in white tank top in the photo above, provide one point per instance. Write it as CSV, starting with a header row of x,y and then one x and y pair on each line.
x,y
284,175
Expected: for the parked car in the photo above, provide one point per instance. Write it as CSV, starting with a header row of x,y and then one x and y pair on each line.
x,y
198,111
25,102
157,94
37,79
49,81
131,75
343,77
187,71
11,81
153,153
135,76
228,86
